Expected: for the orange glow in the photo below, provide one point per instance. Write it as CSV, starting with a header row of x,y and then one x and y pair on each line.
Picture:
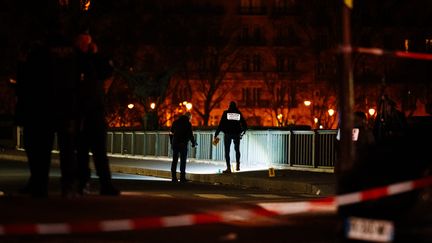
x,y
307,102
86,5
406,45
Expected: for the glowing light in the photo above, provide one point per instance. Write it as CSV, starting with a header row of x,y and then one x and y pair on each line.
x,y
331,112
12,81
371,111
130,106
316,120
307,102
188,106
86,5
321,126
152,105
406,44
280,116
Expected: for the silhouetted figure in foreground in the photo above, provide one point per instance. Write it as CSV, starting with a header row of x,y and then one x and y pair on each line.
x,y
46,92
94,72
181,134
233,125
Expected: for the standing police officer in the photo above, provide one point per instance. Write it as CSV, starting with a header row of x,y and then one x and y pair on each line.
x,y
233,125
181,133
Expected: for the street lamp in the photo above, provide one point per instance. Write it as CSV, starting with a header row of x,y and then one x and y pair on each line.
x,y
279,117
307,102
152,105
371,112
188,106
130,106
331,112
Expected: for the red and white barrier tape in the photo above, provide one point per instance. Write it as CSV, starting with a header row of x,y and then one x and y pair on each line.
x,y
381,52
264,210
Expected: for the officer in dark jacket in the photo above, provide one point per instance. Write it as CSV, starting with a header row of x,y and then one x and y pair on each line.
x,y
181,134
233,125
94,71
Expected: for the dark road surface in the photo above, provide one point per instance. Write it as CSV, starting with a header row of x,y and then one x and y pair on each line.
x,y
152,197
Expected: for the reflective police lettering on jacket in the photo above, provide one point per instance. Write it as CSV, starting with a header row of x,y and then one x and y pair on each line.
x,y
233,116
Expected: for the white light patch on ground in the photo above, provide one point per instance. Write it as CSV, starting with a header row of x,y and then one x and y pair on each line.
x,y
214,196
269,196
135,177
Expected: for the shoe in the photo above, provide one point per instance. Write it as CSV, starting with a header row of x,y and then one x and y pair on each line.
x,y
238,167
109,191
183,180
174,180
227,171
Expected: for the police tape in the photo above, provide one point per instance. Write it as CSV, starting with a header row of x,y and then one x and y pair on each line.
x,y
331,203
382,52
328,204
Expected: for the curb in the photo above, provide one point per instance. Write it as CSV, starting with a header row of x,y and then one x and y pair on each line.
x,y
269,184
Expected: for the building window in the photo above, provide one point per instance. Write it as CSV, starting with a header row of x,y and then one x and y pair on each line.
x,y
291,65
251,97
246,63
251,7
280,63
284,5
257,34
244,34
256,63
182,94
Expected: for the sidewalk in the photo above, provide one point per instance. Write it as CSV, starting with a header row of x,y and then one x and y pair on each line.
x,y
290,181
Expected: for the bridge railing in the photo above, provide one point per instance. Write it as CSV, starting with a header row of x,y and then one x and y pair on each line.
x,y
258,148
306,150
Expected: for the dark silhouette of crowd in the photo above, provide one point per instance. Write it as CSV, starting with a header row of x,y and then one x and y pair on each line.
x,y
60,92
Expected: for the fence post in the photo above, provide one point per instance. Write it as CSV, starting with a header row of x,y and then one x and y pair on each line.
x,y
289,148
314,148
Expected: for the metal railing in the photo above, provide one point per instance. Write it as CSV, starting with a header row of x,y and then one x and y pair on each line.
x,y
258,148
306,150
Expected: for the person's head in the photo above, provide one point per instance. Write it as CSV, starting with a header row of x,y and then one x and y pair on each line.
x,y
359,118
188,115
232,105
